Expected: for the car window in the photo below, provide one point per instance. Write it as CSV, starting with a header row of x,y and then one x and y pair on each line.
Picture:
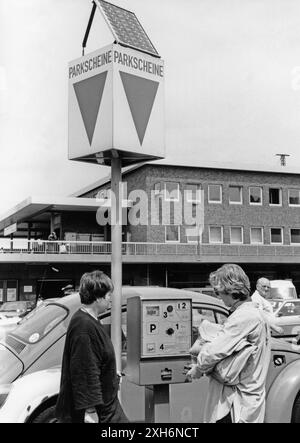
x,y
211,315
221,318
106,321
289,308
199,314
13,306
42,321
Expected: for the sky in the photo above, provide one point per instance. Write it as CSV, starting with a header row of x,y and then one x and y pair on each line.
x,y
232,86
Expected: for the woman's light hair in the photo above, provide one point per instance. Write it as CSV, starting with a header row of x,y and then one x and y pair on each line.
x,y
232,280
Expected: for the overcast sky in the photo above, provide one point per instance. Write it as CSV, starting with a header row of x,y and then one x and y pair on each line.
x,y
232,86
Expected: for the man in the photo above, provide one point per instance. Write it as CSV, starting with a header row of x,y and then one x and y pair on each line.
x,y
243,402
259,298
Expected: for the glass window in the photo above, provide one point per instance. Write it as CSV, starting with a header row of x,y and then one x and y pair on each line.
x,y
235,194
42,321
214,193
171,191
192,193
256,235
294,197
289,308
276,235
295,236
106,322
1,291
275,196
215,234
255,195
192,234
172,233
157,188
221,318
236,234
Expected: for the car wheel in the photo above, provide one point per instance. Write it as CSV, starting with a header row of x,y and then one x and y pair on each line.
x,y
47,416
296,410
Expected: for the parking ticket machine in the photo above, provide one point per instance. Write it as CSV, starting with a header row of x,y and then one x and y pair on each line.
x,y
159,336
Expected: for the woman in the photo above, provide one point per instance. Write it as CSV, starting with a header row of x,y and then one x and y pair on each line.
x,y
89,381
243,402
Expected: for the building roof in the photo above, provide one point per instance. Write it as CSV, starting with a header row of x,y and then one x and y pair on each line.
x,y
34,206
229,166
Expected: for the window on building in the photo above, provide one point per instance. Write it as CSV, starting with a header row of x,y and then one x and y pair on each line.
x,y
215,234
276,235
157,188
192,234
171,191
236,234
8,290
295,236
275,196
192,193
172,233
256,236
235,195
215,193
255,195
294,197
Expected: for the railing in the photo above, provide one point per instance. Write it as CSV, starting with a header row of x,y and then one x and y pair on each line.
x,y
146,249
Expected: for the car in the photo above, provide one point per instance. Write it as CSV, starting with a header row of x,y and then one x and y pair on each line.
x,y
287,313
14,309
31,356
10,315
282,289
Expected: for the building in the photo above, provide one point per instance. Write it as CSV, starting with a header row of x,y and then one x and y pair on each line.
x,y
250,217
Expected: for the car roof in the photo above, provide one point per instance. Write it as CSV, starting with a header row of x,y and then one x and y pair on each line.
x,y
282,283
71,300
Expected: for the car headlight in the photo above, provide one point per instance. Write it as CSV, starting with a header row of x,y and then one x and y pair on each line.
x,y
4,391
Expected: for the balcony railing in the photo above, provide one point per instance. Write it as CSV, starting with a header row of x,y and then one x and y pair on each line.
x,y
147,249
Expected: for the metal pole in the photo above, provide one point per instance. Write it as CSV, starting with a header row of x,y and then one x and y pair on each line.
x,y
116,259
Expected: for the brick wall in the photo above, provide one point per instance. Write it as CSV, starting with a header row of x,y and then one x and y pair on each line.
x,y
224,214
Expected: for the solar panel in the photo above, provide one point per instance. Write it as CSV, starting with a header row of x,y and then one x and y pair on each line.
x,y
126,28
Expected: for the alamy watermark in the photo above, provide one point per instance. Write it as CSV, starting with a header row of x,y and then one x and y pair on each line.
x,y
153,208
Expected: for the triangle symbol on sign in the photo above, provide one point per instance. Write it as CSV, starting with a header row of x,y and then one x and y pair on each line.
x,y
140,93
89,94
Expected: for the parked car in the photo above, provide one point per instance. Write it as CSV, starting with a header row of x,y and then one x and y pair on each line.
x,y
282,289
288,317
14,309
31,355
10,315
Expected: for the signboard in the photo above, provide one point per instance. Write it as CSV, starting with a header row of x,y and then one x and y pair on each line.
x,y
166,328
27,288
116,103
10,229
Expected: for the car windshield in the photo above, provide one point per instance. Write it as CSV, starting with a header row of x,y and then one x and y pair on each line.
x,y
289,308
283,292
42,321
276,304
13,306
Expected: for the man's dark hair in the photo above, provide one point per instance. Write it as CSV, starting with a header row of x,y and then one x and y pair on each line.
x,y
94,285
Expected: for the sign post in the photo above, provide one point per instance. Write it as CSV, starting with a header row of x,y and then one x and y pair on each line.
x,y
116,259
116,118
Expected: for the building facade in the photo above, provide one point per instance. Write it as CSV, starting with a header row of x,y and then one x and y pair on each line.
x,y
187,221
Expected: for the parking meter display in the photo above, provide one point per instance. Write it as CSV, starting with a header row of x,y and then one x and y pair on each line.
x,y
167,328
